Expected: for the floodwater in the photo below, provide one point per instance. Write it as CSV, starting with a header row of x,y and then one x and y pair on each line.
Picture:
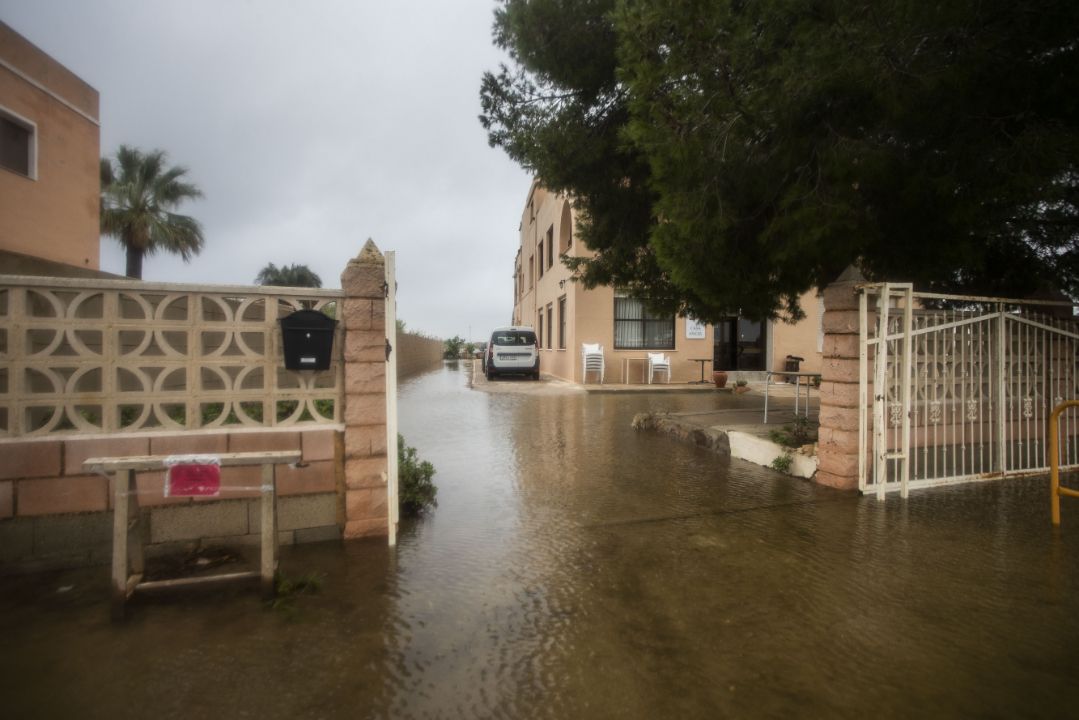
x,y
577,569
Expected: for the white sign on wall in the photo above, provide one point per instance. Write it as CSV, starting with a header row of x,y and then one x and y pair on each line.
x,y
694,329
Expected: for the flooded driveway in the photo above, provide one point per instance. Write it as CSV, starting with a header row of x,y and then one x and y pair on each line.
x,y
576,569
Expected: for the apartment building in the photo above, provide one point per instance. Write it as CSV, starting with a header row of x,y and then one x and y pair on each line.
x,y
49,164
565,315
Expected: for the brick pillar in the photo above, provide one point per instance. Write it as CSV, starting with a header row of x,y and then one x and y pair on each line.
x,y
837,448
364,318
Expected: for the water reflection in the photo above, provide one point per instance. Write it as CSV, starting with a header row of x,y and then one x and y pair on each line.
x,y
575,568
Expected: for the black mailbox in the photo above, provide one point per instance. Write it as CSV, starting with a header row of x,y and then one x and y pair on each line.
x,y
308,339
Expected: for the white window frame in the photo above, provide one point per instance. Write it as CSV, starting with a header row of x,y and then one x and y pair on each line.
x,y
31,126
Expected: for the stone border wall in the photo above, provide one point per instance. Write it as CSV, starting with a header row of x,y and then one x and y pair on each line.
x,y
417,354
53,514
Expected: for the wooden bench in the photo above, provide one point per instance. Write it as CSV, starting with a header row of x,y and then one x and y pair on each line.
x,y
127,550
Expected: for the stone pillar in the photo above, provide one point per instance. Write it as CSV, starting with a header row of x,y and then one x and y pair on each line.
x,y
838,444
364,319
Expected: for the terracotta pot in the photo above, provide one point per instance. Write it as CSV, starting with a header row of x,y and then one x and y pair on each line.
x,y
741,389
719,378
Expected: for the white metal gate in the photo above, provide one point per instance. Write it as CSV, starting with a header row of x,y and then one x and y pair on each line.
x,y
957,388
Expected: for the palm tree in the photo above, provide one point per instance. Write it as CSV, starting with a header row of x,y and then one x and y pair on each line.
x,y
139,194
288,276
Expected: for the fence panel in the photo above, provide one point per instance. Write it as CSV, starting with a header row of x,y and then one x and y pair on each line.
x,y
985,374
114,356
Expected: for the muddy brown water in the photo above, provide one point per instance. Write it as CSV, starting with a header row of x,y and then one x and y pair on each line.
x,y
577,569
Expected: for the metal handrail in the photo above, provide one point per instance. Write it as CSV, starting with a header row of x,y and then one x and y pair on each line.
x,y
1055,491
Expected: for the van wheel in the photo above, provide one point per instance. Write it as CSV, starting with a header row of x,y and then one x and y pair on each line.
x,y
535,375
490,374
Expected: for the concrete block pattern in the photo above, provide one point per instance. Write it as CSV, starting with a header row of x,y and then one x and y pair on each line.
x,y
365,441
77,451
201,520
839,418
296,513
314,477
74,536
318,445
263,441
838,462
364,347
30,459
16,540
212,443
840,482
365,472
367,409
363,313
367,527
7,499
841,370
53,496
841,322
840,296
841,346
367,375
838,394
366,503
319,534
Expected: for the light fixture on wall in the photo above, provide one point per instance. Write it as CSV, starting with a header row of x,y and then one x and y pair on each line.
x,y
561,284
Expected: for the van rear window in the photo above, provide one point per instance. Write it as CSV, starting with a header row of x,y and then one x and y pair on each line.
x,y
514,337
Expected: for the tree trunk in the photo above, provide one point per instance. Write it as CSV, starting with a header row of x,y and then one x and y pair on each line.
x,y
134,262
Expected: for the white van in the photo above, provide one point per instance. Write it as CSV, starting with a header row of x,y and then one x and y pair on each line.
x,y
512,350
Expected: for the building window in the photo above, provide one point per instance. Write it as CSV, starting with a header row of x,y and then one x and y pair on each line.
x,y
540,255
562,323
565,230
637,328
550,246
550,324
531,263
18,145
539,329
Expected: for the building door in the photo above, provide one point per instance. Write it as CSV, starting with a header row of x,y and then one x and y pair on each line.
x,y
739,344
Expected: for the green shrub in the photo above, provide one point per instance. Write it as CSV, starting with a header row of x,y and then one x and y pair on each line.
x,y
415,489
783,462
795,434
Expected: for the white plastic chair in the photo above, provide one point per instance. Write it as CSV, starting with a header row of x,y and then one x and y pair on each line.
x,y
658,361
592,360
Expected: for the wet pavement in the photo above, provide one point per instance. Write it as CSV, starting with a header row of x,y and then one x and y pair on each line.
x,y
575,568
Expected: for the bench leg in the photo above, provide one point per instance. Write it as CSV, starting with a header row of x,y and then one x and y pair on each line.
x,y
121,511
269,530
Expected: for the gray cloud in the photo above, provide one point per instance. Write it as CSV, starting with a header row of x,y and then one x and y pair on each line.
x,y
311,127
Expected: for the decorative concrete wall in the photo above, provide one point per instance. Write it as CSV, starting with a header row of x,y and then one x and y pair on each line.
x,y
54,514
838,445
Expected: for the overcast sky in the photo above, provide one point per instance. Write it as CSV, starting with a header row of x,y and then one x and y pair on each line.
x,y
311,126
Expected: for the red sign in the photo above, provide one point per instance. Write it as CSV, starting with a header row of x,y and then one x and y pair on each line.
x,y
193,480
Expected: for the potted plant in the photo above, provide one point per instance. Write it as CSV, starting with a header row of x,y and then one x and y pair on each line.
x,y
741,386
719,377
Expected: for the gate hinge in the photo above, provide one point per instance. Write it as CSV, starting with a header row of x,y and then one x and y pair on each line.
x,y
389,349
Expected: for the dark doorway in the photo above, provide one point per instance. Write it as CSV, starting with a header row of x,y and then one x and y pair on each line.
x,y
739,344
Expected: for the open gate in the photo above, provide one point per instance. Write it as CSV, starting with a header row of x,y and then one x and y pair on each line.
x,y
957,388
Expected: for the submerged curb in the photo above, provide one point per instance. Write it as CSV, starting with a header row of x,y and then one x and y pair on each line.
x,y
729,443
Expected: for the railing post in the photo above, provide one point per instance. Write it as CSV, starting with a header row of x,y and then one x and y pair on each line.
x,y
1001,389
391,395
880,394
